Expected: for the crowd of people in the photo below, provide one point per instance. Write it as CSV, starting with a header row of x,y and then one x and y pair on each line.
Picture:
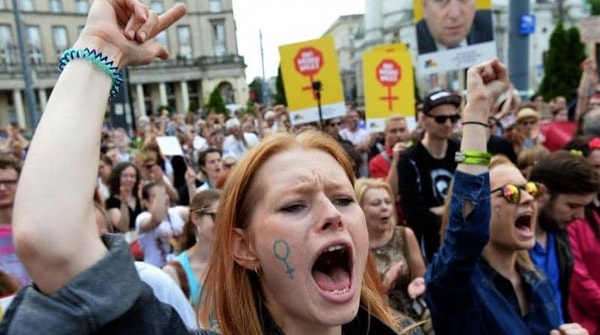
x,y
467,224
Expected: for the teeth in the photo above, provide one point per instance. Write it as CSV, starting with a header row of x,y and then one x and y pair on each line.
x,y
338,292
335,248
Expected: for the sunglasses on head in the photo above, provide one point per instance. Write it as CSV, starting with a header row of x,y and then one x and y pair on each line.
x,y
441,119
512,193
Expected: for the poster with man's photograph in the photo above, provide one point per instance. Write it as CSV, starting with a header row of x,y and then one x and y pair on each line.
x,y
453,34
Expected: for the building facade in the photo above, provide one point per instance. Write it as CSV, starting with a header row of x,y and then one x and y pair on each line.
x,y
344,30
203,46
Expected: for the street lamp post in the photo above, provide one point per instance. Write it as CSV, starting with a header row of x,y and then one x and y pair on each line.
x,y
518,52
29,95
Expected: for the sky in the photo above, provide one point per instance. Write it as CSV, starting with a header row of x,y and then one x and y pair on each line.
x,y
283,22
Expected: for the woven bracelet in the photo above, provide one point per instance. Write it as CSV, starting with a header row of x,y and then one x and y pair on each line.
x,y
99,60
475,123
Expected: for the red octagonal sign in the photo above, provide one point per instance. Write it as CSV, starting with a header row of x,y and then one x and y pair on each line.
x,y
388,72
308,61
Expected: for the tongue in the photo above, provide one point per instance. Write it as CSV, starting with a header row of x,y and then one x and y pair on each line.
x,y
337,279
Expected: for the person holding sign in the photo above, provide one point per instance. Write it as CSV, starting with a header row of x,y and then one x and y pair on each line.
x,y
450,24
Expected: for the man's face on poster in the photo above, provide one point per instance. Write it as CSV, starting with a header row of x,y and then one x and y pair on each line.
x,y
449,21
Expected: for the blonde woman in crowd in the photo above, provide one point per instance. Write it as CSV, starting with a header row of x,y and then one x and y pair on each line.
x,y
296,256
395,248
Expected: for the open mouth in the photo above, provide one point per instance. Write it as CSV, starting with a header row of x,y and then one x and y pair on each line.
x,y
332,271
523,222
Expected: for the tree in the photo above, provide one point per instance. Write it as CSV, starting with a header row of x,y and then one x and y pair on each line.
x,y
215,102
280,98
561,65
256,90
594,6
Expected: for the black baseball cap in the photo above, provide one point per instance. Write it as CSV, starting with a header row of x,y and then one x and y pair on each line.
x,y
438,98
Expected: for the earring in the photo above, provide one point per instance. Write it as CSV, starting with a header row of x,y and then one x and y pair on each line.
x,y
258,271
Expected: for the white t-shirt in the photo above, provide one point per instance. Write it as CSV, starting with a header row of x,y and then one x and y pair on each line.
x,y
156,243
167,291
236,148
359,136
200,143
4,304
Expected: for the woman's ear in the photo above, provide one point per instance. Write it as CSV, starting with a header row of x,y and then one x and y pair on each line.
x,y
243,250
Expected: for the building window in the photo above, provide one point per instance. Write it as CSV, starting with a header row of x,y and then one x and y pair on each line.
x,y
55,6
61,39
185,42
171,98
81,6
193,93
163,39
147,92
27,5
218,29
3,4
214,6
34,45
157,6
7,47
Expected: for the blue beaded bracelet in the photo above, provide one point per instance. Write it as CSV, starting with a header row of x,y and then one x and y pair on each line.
x,y
99,60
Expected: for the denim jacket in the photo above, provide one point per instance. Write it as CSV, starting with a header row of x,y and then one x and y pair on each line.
x,y
467,296
107,298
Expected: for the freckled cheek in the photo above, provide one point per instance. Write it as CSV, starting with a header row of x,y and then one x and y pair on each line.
x,y
357,226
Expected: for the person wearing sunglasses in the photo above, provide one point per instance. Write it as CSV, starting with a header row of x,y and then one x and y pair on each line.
x,y
188,269
570,183
427,168
482,281
527,130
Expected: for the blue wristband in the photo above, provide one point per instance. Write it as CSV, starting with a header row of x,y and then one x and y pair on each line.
x,y
99,60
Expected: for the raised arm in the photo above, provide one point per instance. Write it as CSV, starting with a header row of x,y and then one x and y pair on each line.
x,y
120,216
588,78
54,230
468,228
157,211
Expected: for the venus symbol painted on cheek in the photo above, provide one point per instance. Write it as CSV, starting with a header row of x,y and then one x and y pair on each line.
x,y
281,249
